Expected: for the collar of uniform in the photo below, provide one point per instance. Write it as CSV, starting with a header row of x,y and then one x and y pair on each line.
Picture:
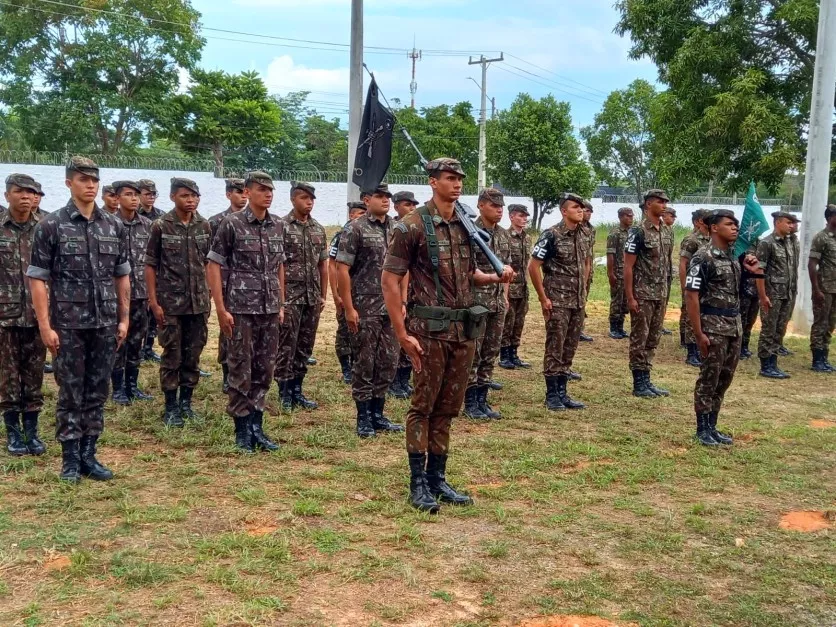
x,y
647,222
145,211
75,213
250,216
561,227
778,238
514,233
481,224
6,217
292,218
171,216
136,219
386,219
437,219
719,252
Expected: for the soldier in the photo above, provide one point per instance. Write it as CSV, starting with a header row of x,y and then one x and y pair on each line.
x,y
795,247
404,203
669,218
147,208
237,201
109,198
587,227
40,212
175,271
559,269
494,297
306,270
249,244
82,252
690,244
821,266
21,349
615,273
778,259
125,375
647,264
712,293
362,250
443,325
749,304
517,291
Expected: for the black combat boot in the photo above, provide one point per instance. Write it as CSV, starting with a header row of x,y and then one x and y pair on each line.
x,y
704,435
419,492
186,410
70,461
826,359
722,438
132,385
614,333
299,398
563,395
781,373
148,354
259,438
783,351
364,419
203,374
471,404
117,379
666,331
586,338
656,390
286,394
620,333
15,443
820,361
244,433
172,416
519,363
553,396
90,466
48,368
494,385
682,339
575,376
396,388
312,361
30,430
437,482
693,356
484,406
380,421
225,371
640,385
745,353
345,367
506,359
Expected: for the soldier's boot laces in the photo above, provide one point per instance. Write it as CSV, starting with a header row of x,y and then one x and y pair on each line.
x,y
640,385
396,388
345,367
704,435
471,404
437,482
364,420
117,380
286,395
243,433
15,443
30,431
299,398
419,492
260,440
505,358
186,410
693,357
575,376
563,394
70,461
519,363
656,390
484,406
781,373
132,385
90,466
171,413
494,385
553,402
225,385
722,438
380,421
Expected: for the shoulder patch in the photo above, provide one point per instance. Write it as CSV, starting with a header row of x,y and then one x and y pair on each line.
x,y
400,226
695,270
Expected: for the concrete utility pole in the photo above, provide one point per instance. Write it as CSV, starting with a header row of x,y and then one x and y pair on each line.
x,y
483,112
818,156
355,94
415,55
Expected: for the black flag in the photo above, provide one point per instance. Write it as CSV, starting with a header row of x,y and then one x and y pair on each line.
x,y
374,147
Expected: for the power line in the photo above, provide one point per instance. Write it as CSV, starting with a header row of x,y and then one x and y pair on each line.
x,y
552,87
558,75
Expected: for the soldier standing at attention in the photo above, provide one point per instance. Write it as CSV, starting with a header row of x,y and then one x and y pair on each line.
x,y
494,297
306,270
690,244
749,304
237,201
778,259
433,246
559,268
82,252
712,293
175,271
109,199
362,250
40,212
147,208
615,273
795,247
125,375
249,245
647,264
821,266
520,244
669,218
587,227
22,351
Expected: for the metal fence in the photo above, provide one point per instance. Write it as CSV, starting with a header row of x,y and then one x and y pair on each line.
x,y
126,162
707,200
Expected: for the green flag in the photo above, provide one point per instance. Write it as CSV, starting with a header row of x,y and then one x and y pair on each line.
x,y
753,224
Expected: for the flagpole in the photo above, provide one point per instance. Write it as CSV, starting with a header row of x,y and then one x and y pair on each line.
x,y
355,95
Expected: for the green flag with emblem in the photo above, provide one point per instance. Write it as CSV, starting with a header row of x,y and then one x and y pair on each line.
x,y
753,224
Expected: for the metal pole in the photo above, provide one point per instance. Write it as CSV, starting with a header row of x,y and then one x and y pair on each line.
x,y
355,94
818,156
483,115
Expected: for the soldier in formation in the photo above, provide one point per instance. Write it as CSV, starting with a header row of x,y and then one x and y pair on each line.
x,y
615,273
109,200
669,218
689,245
749,303
147,207
821,266
520,246
589,230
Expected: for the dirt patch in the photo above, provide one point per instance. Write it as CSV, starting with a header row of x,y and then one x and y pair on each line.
x,y
261,529
56,563
822,424
572,621
805,522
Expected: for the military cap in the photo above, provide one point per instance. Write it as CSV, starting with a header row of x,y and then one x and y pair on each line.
x,y
108,189
147,185
234,184
355,205
383,188
625,211
445,164
829,211
84,166
118,185
700,214
23,181
657,193
587,205
40,189
260,177
518,209
713,216
304,187
491,194
785,214
404,197
670,210
184,183
567,196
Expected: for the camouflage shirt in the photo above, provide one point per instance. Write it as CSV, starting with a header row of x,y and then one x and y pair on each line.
x,y
716,275
408,253
15,251
252,252
305,246
778,259
615,247
691,243
362,247
334,246
748,287
564,253
215,223
823,250
591,233
653,247
152,214
492,296
79,259
520,245
138,230
178,252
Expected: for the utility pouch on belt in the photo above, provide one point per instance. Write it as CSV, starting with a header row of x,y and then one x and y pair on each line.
x,y
474,324
439,318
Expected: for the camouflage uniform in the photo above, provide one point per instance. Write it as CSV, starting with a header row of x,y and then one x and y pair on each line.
x,y
690,244
214,224
618,298
795,249
520,247
138,231
777,257
153,214
823,250
342,341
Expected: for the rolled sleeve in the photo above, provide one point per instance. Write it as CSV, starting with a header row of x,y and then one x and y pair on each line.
x,y
122,269
395,265
215,257
345,258
815,254
34,272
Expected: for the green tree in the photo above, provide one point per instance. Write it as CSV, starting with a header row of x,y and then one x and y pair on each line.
x,y
92,74
325,144
531,149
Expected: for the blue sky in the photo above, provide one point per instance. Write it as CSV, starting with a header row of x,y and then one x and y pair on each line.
x,y
578,57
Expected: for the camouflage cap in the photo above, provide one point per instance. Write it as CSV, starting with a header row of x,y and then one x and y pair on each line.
x,y
183,183
699,215
657,193
234,185
262,178
23,181
40,189
587,206
785,214
404,197
147,185
713,216
303,187
624,211
491,194
118,185
445,164
670,210
84,166
108,189
355,205
829,211
383,188
567,196
518,209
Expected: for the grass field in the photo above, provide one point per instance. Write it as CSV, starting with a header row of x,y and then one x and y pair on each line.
x,y
611,512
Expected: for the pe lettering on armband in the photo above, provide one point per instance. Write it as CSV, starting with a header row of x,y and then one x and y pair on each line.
x,y
630,245
333,251
539,252
693,282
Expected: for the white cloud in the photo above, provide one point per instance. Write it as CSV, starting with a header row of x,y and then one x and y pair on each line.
x,y
284,75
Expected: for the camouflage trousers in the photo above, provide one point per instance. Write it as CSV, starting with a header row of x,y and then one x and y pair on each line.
x,y
773,327
376,358
716,373
151,333
514,322
618,302
342,341
223,348
296,341
182,340
685,324
439,393
251,358
748,315
129,354
563,331
82,371
645,330
22,355
824,322
487,349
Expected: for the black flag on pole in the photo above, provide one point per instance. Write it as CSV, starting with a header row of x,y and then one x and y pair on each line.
x,y
374,146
